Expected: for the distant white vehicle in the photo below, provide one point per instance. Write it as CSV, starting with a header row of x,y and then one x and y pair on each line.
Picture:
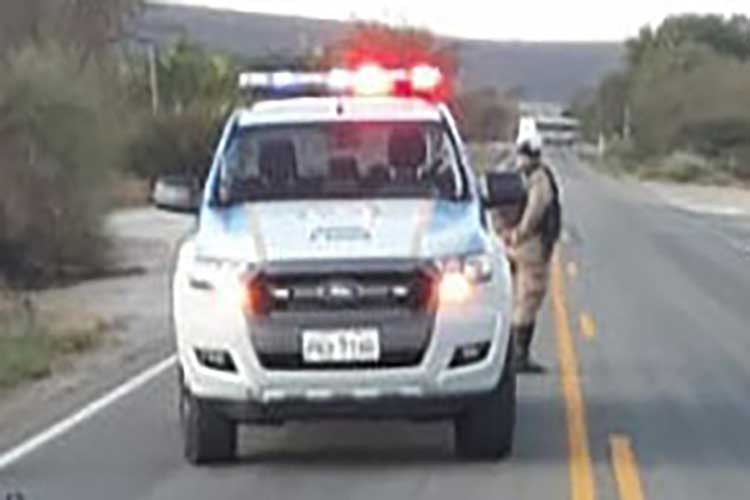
x,y
179,193
526,128
558,130
554,130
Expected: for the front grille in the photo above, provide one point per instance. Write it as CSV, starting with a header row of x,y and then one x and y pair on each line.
x,y
396,297
408,290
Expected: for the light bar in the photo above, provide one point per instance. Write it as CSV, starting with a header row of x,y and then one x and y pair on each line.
x,y
254,80
425,78
367,80
280,79
371,79
340,79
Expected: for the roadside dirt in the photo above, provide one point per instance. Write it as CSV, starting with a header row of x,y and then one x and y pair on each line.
x,y
704,199
135,309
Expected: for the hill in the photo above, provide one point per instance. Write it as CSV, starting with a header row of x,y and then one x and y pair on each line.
x,y
542,71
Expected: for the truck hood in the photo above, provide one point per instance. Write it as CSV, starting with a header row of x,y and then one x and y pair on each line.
x,y
335,230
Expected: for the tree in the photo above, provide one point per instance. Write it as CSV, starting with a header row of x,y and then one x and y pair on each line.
x,y
636,48
197,89
189,73
23,22
60,142
686,87
87,27
92,26
62,133
613,101
486,115
726,36
673,89
602,110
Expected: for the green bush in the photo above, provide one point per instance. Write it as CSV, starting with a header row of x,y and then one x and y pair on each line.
x,y
622,157
681,167
717,136
59,144
24,358
738,162
34,355
173,143
197,88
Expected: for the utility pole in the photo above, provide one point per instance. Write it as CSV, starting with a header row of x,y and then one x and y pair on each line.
x,y
626,123
153,78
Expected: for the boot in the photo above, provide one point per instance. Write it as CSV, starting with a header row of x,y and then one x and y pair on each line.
x,y
523,361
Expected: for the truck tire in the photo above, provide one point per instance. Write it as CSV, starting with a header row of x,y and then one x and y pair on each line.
x,y
208,437
485,431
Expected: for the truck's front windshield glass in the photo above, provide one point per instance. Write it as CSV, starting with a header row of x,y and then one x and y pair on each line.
x,y
340,160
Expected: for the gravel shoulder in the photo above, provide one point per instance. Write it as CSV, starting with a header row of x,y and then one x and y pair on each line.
x,y
135,309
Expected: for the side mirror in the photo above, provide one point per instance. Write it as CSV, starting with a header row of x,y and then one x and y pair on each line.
x,y
177,193
506,193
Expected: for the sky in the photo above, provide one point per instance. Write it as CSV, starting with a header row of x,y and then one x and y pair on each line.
x,y
547,20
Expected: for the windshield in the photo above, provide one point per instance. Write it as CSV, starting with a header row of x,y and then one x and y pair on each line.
x,y
340,160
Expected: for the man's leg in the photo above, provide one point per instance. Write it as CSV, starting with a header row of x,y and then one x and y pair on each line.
x,y
531,287
523,337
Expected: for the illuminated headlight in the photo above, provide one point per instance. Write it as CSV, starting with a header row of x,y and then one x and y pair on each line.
x,y
477,268
460,276
455,288
225,277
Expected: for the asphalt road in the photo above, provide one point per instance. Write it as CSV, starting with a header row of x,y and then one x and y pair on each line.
x,y
661,363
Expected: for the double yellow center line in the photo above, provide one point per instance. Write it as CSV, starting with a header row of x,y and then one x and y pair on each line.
x,y
624,463
582,485
625,467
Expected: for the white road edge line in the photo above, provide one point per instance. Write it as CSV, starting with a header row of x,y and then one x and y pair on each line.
x,y
706,209
65,425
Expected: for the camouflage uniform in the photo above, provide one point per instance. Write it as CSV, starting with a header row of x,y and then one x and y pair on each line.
x,y
530,261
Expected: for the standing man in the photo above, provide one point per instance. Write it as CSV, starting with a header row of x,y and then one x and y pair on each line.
x,y
530,247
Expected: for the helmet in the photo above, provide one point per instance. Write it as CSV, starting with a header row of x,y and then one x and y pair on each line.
x,y
530,145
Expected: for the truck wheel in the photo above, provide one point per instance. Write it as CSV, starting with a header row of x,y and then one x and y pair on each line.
x,y
208,437
485,430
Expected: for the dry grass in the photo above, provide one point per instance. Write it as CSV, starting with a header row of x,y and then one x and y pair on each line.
x,y
33,343
131,192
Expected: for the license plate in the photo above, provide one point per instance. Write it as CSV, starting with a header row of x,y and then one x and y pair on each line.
x,y
345,345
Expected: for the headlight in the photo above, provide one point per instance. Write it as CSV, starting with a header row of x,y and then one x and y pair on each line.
x,y
460,275
208,273
455,288
225,277
233,283
477,268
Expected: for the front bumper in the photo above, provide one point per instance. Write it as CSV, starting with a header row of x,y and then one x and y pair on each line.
x,y
391,408
256,393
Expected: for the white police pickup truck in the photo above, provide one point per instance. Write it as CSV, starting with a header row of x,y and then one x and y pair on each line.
x,y
344,266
